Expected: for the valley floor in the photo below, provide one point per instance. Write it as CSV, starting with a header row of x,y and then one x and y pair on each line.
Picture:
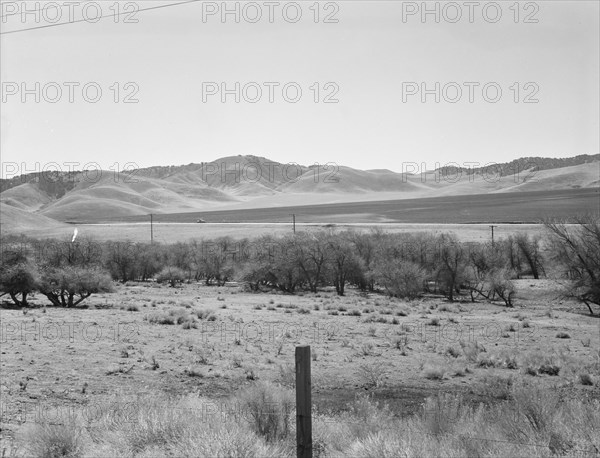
x,y
148,341
178,232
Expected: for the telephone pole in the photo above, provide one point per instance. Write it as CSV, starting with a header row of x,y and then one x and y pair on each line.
x,y
492,226
151,230
294,222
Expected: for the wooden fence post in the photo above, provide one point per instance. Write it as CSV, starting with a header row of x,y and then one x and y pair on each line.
x,y
303,403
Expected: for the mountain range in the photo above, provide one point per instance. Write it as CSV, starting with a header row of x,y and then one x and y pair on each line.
x,y
257,182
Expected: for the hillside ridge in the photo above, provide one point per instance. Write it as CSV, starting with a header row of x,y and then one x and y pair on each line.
x,y
252,181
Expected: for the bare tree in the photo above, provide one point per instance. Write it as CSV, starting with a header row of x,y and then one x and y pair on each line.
x,y
577,250
529,247
452,264
310,253
214,260
119,259
489,273
344,263
400,278
366,248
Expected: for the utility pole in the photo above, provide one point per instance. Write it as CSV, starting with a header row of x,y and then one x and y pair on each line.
x,y
151,230
294,222
492,226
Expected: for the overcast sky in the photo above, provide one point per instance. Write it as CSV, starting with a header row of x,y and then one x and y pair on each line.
x,y
375,58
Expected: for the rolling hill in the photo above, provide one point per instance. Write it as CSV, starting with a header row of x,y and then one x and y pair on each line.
x,y
121,195
27,197
243,182
15,220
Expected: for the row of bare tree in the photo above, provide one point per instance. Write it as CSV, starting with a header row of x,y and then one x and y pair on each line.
x,y
402,265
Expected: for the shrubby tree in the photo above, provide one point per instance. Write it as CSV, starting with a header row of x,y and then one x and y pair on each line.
x,y
256,269
344,263
412,249
286,263
577,250
65,272
120,260
500,284
400,278
366,248
529,248
513,255
70,285
309,252
256,274
81,252
19,275
148,260
489,273
286,273
452,263
181,255
18,280
485,258
171,275
214,261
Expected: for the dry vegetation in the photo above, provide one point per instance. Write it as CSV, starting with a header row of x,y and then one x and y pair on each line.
x,y
182,368
208,371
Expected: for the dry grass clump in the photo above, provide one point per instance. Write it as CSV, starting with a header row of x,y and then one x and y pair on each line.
x,y
54,441
372,374
188,427
403,311
447,308
433,321
504,360
434,373
258,422
160,318
452,351
365,416
190,323
441,413
472,350
176,316
287,375
269,409
497,386
366,349
537,363
207,315
531,420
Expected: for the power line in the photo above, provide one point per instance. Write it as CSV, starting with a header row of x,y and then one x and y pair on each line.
x,y
101,17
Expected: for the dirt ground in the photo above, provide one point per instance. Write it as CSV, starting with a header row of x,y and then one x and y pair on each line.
x,y
58,360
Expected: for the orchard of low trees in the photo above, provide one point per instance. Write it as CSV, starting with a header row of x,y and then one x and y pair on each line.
x,y
401,265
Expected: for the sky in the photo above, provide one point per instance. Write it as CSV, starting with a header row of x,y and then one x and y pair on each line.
x,y
380,65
